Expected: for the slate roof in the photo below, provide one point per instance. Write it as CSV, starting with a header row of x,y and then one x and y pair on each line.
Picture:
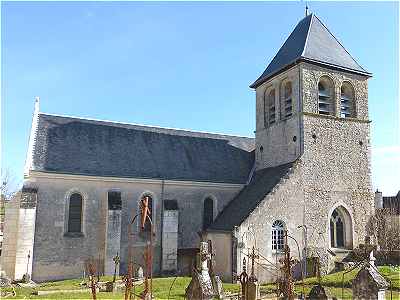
x,y
237,210
392,203
311,41
70,145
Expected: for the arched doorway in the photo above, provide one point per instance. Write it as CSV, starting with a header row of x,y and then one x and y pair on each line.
x,y
341,231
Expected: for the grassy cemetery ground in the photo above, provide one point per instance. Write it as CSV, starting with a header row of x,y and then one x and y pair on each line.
x,y
161,287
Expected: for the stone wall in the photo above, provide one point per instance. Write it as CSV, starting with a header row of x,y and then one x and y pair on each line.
x,y
310,75
336,155
278,143
332,170
284,203
222,250
59,256
26,234
8,254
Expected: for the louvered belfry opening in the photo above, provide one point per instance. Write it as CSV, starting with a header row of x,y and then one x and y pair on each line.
x,y
75,213
347,101
325,96
287,101
270,103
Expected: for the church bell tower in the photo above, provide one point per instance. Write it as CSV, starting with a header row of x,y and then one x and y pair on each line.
x,y
312,109
313,93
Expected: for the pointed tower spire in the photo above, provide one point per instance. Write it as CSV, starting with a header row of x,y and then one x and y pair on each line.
x,y
311,41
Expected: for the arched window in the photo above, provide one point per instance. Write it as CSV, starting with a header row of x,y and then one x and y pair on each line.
x,y
146,211
208,212
75,213
270,107
325,96
278,235
340,228
347,101
287,101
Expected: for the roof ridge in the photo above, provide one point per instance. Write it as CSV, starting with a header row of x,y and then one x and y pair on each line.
x,y
148,126
339,43
308,33
261,77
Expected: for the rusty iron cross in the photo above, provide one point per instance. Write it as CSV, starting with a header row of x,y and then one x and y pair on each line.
x,y
253,256
145,211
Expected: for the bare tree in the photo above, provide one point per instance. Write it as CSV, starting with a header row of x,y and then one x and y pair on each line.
x,y
9,185
384,227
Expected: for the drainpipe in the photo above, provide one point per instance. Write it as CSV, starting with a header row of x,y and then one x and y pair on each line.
x,y
162,220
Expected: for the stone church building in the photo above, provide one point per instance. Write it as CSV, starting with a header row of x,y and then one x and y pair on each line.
x,y
308,167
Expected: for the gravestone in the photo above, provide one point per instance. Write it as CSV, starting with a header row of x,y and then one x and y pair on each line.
x,y
253,290
201,287
368,283
318,293
139,273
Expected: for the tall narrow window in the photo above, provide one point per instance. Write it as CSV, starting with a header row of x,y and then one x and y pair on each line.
x,y
337,230
325,96
278,235
208,212
146,211
270,107
347,101
75,213
287,100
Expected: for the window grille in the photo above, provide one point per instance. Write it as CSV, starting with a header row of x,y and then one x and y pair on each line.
x,y
278,236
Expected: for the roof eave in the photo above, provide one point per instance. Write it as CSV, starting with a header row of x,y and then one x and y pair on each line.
x,y
261,80
218,230
336,67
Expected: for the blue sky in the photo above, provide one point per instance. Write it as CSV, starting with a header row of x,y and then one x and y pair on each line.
x,y
179,64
